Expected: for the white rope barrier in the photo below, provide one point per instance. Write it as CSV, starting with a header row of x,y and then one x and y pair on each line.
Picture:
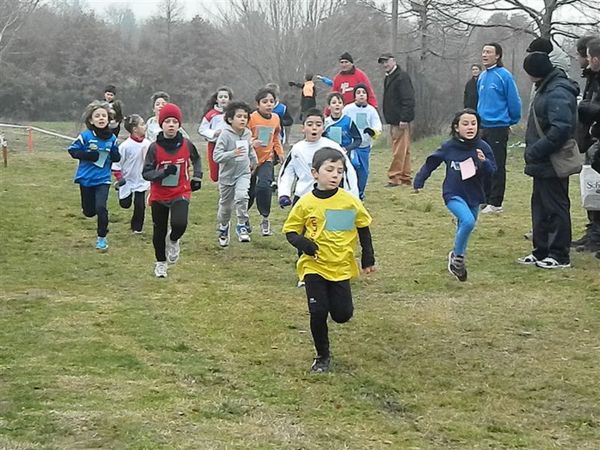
x,y
39,130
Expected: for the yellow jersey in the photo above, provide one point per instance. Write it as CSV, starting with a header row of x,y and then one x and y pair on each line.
x,y
331,223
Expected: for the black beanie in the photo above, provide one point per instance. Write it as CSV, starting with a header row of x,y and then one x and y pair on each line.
x,y
540,45
538,65
347,56
360,86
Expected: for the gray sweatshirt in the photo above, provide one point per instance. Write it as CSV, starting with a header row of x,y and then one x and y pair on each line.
x,y
232,167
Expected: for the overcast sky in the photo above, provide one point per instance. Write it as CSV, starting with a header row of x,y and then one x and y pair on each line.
x,y
146,8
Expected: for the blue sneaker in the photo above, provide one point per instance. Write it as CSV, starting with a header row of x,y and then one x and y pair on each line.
x,y
101,244
223,233
242,233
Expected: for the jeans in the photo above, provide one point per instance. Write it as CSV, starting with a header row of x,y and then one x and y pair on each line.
x,y
467,218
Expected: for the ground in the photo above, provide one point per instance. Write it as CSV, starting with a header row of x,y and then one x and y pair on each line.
x,y
95,352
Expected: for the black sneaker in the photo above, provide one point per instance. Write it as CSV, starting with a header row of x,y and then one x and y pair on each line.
x,y
597,255
321,364
581,241
456,266
589,246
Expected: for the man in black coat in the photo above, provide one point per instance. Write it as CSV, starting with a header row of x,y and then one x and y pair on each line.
x,y
398,112
471,96
554,108
588,128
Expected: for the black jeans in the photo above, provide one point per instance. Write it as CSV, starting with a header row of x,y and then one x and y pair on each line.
x,y
497,138
160,219
93,203
551,218
260,188
139,208
326,297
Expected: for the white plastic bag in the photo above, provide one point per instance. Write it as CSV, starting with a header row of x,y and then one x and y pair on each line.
x,y
589,181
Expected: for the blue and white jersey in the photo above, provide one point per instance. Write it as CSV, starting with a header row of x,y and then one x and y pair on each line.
x,y
94,173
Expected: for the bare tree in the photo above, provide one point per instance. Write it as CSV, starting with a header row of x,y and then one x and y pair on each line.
x,y
171,12
546,18
14,14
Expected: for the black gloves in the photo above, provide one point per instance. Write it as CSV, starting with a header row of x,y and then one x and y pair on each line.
x,y
92,155
196,185
369,131
284,201
171,169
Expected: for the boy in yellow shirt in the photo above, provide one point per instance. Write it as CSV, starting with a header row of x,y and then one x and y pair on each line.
x,y
324,225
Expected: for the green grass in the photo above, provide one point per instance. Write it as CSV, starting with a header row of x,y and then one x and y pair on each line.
x,y
97,353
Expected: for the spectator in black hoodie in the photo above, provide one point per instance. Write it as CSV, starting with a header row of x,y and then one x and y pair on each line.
x,y
471,96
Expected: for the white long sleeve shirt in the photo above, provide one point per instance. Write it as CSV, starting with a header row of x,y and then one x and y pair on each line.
x,y
297,169
132,162
364,117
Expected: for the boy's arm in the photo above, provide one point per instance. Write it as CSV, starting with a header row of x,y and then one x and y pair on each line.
x,y
301,243
287,176
78,150
367,258
355,135
277,147
150,172
293,229
351,181
221,154
196,161
325,80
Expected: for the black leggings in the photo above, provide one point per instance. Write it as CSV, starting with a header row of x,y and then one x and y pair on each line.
x,y
93,202
326,297
160,219
139,208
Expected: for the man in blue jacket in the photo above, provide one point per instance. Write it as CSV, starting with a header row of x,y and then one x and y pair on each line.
x,y
499,107
554,108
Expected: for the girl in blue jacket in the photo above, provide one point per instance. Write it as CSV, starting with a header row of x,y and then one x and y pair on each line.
x,y
95,148
469,160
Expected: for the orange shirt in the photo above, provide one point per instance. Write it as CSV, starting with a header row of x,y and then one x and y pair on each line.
x,y
268,132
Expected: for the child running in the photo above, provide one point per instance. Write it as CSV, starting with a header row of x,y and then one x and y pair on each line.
x,y
469,161
132,186
324,225
95,149
368,122
212,124
166,167
297,168
339,127
236,159
266,129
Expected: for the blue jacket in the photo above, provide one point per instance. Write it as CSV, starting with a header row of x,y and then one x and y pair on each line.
x,y
350,133
453,152
91,173
555,105
499,104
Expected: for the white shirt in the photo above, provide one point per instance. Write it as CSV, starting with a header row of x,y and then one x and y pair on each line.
x,y
298,164
132,162
370,119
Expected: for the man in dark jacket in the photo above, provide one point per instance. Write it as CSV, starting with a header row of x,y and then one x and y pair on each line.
x,y
554,108
399,112
588,128
471,96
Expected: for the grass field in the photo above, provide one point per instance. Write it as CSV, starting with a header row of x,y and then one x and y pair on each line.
x,y
95,352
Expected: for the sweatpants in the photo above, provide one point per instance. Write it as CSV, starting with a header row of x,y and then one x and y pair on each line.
x,y
466,217
160,220
93,203
551,218
360,161
234,194
139,208
326,297
497,138
260,188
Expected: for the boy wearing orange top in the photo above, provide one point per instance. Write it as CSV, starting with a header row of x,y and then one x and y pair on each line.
x,y
266,128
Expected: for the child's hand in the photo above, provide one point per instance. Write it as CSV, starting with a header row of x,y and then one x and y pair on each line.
x,y
256,143
171,169
368,270
369,131
480,155
284,201
238,151
217,133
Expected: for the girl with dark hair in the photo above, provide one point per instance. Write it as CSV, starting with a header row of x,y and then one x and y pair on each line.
x,y
469,160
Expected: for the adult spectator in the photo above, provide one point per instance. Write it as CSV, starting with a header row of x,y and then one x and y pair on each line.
x,y
398,112
346,80
558,58
499,107
589,130
110,93
470,97
553,112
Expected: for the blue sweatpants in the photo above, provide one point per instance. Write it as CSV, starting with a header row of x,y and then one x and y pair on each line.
x,y
360,161
467,218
